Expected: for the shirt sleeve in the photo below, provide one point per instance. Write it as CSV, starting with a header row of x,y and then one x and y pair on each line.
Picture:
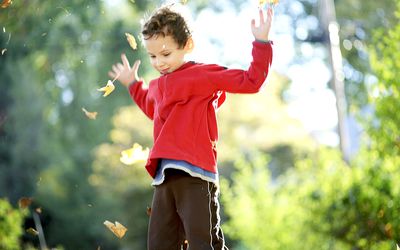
x,y
140,94
244,81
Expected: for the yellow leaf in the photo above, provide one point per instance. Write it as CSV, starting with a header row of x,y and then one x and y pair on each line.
x,y
262,2
32,231
6,3
108,88
118,229
131,40
90,115
184,1
135,154
25,202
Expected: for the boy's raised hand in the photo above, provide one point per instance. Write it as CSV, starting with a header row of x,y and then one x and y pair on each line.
x,y
124,72
262,31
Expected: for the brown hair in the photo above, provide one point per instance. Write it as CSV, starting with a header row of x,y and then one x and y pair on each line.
x,y
165,21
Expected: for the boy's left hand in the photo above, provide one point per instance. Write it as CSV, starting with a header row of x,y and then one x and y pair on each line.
x,y
262,31
124,72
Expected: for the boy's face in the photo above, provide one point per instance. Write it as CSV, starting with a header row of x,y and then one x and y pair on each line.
x,y
165,56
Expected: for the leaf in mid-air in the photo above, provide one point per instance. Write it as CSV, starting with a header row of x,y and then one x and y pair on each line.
x,y
131,40
148,211
6,3
261,2
32,231
25,202
118,229
108,88
90,115
135,154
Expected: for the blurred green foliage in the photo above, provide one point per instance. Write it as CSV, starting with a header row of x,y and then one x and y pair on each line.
x,y
11,221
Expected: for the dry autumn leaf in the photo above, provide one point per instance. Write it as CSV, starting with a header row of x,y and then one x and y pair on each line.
x,y
25,202
32,231
38,210
118,229
148,211
131,40
90,115
108,88
134,154
3,51
261,2
6,3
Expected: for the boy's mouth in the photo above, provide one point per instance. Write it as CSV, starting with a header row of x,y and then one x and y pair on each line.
x,y
164,71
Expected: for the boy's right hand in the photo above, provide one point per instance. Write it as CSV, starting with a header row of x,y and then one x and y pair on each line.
x,y
124,73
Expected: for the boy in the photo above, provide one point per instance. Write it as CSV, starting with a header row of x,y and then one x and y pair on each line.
x,y
182,103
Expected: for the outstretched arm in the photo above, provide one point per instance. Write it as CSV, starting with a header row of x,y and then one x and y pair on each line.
x,y
261,32
124,72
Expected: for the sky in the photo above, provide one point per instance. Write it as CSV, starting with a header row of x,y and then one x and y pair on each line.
x,y
225,38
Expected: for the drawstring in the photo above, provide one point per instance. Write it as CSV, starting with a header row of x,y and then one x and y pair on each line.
x,y
209,210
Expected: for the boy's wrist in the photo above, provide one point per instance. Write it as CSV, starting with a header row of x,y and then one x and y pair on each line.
x,y
263,40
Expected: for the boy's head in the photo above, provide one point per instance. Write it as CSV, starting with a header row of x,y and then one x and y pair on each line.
x,y
167,39
167,22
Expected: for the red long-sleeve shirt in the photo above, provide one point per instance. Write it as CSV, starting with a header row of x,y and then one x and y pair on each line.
x,y
183,106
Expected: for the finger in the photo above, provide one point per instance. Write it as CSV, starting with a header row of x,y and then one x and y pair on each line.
x,y
120,67
136,65
261,16
253,23
125,61
115,68
111,74
270,12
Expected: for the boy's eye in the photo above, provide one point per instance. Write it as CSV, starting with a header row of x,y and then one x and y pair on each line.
x,y
152,56
167,54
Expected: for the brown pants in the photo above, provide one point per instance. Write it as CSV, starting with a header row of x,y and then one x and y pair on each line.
x,y
185,208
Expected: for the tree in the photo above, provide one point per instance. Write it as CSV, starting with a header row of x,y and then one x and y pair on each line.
x,y
10,226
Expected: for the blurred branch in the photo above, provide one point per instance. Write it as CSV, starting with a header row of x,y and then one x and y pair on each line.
x,y
328,18
38,226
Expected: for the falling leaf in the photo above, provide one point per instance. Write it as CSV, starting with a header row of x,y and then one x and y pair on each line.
x,y
108,88
135,154
184,1
273,2
148,211
3,51
32,231
25,202
6,3
90,115
131,40
118,229
38,210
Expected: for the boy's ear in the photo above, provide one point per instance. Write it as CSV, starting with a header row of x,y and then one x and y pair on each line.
x,y
189,45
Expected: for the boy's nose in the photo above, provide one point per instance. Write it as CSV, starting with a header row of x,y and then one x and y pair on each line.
x,y
159,62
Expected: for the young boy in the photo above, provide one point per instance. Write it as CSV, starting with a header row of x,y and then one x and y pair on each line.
x,y
183,103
